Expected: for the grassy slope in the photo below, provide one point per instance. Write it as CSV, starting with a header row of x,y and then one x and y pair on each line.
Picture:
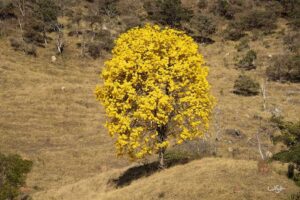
x,y
209,178
62,130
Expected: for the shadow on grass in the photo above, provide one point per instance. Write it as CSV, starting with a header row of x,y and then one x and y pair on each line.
x,y
145,170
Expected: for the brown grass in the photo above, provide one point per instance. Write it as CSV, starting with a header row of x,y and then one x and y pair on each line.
x,y
209,178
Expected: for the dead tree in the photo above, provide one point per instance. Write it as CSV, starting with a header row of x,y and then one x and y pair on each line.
x,y
21,5
60,43
264,94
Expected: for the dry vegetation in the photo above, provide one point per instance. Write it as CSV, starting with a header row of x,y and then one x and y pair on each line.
x,y
209,178
49,115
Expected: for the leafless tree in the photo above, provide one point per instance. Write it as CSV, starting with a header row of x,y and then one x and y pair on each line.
x,y
217,123
264,94
60,43
21,5
259,147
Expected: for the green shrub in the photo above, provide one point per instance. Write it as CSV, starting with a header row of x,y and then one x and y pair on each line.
x,y
224,9
108,8
291,8
291,155
105,40
246,86
201,28
46,11
34,37
292,41
284,68
13,170
6,10
94,50
189,150
257,19
233,32
41,18
290,131
290,136
247,62
168,12
204,25
20,45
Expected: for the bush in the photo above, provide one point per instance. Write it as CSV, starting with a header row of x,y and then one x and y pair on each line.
x,y
201,28
290,131
13,170
34,37
6,10
224,9
284,68
188,151
290,136
168,12
233,32
246,86
291,8
30,50
19,45
106,41
257,19
247,62
94,50
103,42
204,25
108,8
16,44
292,41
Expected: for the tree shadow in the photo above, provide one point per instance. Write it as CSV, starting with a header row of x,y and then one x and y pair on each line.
x,y
145,170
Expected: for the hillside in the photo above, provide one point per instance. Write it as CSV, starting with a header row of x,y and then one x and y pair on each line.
x,y
49,113
208,178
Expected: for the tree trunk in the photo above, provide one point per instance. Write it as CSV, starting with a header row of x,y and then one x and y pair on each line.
x,y
161,138
161,158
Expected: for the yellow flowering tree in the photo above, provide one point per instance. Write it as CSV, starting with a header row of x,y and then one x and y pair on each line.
x,y
155,91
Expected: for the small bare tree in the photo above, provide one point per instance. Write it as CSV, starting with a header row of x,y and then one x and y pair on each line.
x,y
264,94
263,157
60,43
217,123
21,5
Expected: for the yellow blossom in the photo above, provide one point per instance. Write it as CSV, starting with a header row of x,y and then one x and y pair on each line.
x,y
156,78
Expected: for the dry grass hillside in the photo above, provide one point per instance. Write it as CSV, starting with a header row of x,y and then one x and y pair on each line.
x,y
209,178
49,115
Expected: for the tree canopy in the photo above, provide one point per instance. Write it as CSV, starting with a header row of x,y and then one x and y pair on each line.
x,y
155,91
